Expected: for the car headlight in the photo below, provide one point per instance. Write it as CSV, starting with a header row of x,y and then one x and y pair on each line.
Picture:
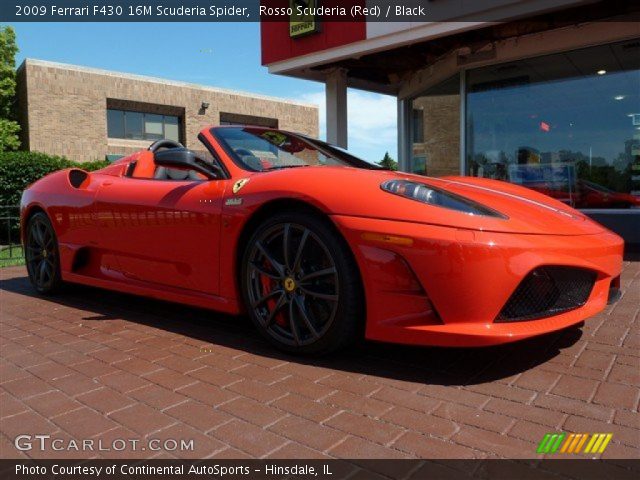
x,y
437,197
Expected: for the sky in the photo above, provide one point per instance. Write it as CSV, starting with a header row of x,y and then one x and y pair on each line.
x,y
225,55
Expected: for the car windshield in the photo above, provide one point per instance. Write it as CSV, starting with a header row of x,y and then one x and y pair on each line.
x,y
262,149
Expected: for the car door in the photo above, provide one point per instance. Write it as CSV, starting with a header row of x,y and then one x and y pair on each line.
x,y
163,232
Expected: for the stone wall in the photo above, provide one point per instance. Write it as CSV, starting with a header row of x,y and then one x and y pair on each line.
x,y
441,146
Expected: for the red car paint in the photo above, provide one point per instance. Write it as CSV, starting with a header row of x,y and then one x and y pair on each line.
x,y
431,276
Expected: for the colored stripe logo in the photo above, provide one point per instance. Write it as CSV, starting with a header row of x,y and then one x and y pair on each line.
x,y
591,443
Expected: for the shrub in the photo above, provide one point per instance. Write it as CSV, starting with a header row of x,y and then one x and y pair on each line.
x,y
17,171
20,169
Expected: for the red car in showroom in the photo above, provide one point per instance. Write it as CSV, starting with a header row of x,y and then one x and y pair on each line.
x,y
319,247
586,194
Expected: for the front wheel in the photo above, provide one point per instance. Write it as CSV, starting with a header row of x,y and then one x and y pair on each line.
x,y
301,286
41,254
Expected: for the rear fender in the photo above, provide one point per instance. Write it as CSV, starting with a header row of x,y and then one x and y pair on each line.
x,y
67,198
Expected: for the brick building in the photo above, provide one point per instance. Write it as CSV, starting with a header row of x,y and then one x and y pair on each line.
x,y
90,114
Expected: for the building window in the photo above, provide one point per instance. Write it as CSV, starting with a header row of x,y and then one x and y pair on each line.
x,y
142,126
566,125
115,124
435,130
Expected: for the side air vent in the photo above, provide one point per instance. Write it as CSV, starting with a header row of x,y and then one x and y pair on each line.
x,y
548,291
80,259
77,177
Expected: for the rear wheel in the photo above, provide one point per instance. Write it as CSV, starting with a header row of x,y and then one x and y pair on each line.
x,y
301,286
41,254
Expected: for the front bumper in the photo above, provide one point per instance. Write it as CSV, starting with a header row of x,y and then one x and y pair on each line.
x,y
446,286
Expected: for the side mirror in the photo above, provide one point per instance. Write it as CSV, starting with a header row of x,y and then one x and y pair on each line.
x,y
185,159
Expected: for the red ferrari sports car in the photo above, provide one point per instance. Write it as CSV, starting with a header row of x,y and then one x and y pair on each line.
x,y
319,247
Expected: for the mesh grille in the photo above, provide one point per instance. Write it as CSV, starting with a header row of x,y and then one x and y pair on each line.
x,y
548,291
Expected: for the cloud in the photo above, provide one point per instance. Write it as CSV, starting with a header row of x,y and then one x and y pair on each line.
x,y
372,121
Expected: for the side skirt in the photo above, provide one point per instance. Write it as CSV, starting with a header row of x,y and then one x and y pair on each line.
x,y
195,299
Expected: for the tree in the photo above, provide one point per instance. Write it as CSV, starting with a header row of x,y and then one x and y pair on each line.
x,y
9,128
388,162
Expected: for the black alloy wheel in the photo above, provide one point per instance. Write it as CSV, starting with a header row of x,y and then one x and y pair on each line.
x,y
300,284
41,254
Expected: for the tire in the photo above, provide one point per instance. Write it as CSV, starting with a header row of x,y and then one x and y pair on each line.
x,y
42,255
311,301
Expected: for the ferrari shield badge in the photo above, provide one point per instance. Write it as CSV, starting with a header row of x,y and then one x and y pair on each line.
x,y
239,184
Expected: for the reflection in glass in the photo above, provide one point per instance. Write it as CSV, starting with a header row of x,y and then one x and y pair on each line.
x,y
558,125
133,125
142,126
262,149
153,126
115,123
171,128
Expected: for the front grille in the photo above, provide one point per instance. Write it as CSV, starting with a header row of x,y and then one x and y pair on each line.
x,y
548,291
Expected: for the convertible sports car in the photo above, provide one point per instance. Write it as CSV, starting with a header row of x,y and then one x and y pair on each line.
x,y
319,247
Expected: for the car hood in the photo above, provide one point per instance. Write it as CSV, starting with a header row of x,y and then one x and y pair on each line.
x,y
357,192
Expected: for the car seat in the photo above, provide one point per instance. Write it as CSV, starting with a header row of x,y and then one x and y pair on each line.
x,y
164,173
144,166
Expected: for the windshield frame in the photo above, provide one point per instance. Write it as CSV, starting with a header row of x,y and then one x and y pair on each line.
x,y
324,148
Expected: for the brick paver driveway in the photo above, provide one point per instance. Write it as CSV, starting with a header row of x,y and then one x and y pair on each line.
x,y
91,364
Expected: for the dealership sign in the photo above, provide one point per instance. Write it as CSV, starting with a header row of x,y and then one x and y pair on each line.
x,y
302,19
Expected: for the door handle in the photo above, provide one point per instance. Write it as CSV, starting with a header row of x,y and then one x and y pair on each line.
x,y
106,184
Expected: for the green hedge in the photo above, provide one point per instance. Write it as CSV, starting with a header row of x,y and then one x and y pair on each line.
x,y
20,169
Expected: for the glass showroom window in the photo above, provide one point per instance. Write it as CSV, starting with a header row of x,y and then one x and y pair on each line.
x,y
435,130
142,126
567,125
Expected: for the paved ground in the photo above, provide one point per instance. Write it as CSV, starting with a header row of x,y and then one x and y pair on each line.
x,y
91,364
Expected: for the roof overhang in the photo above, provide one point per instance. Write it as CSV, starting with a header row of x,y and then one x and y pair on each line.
x,y
392,51
418,33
